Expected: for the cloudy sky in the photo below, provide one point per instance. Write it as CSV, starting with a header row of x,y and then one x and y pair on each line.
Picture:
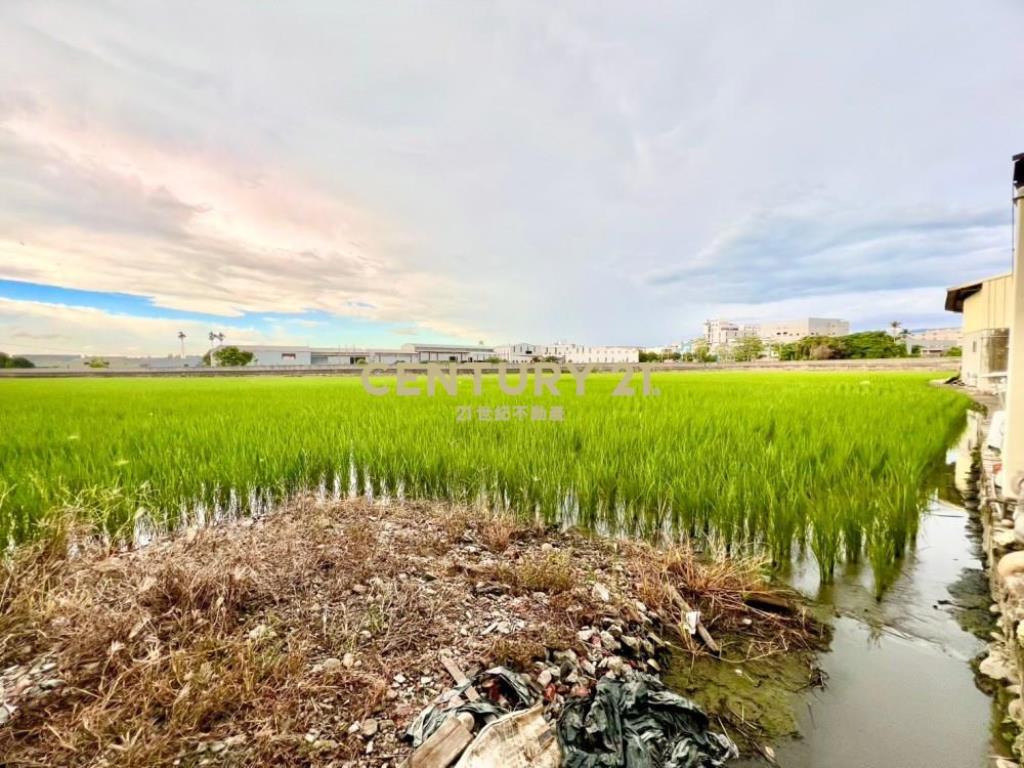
x,y
349,172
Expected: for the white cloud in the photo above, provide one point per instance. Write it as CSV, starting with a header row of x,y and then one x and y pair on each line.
x,y
511,170
33,326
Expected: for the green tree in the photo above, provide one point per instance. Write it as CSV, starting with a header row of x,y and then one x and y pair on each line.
x,y
6,361
232,356
954,352
97,362
702,354
749,348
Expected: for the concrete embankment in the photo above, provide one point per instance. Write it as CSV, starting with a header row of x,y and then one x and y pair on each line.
x,y
1002,667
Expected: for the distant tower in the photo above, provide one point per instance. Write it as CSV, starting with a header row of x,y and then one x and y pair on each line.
x,y
181,338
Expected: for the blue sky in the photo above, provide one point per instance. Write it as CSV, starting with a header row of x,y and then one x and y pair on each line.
x,y
309,328
343,173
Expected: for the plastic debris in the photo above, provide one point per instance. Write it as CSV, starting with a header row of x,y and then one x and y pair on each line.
x,y
522,739
638,723
503,691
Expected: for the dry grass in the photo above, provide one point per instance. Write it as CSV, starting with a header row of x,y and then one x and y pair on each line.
x,y
212,646
722,587
550,572
497,531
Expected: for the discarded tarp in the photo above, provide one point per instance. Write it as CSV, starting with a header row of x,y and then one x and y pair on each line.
x,y
638,723
505,692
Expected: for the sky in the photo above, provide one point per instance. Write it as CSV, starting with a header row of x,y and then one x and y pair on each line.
x,y
348,173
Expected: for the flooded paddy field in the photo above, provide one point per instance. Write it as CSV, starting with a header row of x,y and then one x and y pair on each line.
x,y
900,685
774,462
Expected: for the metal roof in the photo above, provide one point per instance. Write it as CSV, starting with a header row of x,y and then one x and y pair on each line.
x,y
958,294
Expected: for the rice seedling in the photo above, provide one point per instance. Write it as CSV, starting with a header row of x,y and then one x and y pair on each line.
x,y
781,463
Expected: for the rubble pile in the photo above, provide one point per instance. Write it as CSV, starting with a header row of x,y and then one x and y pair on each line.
x,y
351,633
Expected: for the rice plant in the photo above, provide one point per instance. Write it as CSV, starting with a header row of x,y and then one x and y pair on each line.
x,y
783,463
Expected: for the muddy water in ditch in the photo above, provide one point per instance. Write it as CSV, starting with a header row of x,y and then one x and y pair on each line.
x,y
901,691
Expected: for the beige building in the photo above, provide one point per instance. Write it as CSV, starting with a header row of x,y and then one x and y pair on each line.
x,y
935,342
993,350
786,331
987,309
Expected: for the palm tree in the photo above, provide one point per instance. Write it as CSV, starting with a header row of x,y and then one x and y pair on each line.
x,y
181,338
895,325
218,337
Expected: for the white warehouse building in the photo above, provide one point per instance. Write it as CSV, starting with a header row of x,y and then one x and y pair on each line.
x,y
566,352
301,356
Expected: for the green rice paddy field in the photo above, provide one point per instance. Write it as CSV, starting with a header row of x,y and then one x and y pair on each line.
x,y
837,464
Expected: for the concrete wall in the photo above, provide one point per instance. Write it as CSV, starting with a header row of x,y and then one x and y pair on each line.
x,y
983,364
991,307
987,317
283,356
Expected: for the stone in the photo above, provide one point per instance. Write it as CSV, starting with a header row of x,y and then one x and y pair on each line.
x,y
630,642
609,642
1003,538
999,664
329,665
586,635
1010,565
654,665
1013,690
1016,710
368,728
600,591
348,661
544,678
568,656
262,632
1002,762
359,589
614,664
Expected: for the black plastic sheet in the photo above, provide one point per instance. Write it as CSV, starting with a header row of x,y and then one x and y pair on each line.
x,y
638,723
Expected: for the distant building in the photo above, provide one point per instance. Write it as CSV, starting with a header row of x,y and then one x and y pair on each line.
x,y
449,353
566,352
114,362
723,335
524,352
787,331
935,342
581,353
987,307
720,333
302,356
